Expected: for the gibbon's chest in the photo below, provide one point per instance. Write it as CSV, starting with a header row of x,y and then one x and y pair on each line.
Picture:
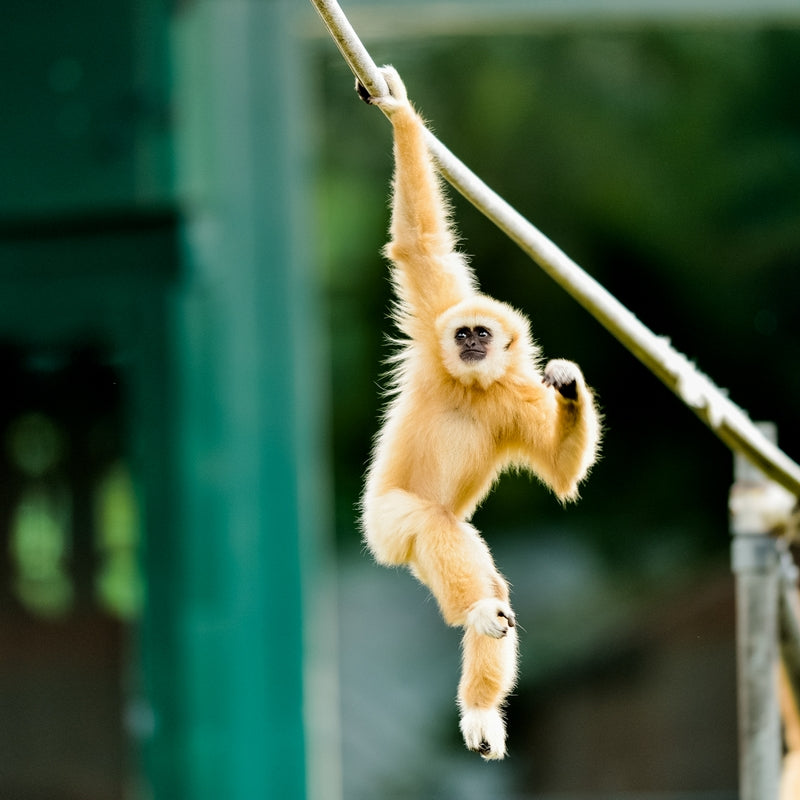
x,y
449,443
467,424
466,458
432,428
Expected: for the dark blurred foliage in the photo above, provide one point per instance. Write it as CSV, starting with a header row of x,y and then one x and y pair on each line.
x,y
666,162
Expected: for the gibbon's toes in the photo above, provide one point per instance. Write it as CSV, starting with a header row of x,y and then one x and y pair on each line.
x,y
396,98
397,88
491,617
388,103
484,732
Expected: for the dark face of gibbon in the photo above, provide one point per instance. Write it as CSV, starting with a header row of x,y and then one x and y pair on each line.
x,y
473,343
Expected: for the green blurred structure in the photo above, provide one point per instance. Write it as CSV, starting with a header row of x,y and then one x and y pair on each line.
x,y
152,184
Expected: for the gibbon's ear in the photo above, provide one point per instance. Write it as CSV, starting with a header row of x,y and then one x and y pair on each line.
x,y
510,347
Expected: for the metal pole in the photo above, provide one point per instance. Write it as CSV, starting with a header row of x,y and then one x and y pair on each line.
x,y
756,562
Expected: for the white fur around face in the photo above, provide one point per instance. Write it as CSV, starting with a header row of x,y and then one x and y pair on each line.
x,y
508,331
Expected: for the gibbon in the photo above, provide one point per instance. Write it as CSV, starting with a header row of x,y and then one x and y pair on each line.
x,y
468,401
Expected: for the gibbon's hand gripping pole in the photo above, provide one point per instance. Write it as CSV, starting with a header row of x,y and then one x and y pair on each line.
x,y
696,390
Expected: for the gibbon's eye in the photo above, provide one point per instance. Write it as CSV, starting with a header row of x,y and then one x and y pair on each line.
x,y
483,333
462,334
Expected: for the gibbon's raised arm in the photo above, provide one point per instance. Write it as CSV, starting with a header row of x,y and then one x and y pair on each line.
x,y
429,275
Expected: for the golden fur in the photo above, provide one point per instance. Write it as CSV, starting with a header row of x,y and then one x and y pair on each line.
x,y
790,774
451,427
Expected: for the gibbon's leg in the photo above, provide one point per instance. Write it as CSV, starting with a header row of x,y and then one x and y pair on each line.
x,y
391,521
488,674
454,561
448,556
790,775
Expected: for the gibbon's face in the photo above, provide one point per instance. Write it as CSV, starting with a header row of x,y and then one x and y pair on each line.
x,y
473,343
480,339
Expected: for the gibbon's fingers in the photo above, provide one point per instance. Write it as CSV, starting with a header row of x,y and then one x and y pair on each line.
x,y
397,89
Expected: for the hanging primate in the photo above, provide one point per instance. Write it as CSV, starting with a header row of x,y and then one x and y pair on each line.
x,y
468,401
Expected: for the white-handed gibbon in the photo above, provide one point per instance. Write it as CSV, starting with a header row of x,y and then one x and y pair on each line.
x,y
468,401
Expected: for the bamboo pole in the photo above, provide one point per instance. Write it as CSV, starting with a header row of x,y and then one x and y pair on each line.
x,y
674,369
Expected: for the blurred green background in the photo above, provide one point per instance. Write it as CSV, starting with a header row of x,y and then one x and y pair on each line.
x,y
193,319
665,160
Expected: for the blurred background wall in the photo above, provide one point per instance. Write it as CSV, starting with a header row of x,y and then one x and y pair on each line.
x,y
192,323
164,407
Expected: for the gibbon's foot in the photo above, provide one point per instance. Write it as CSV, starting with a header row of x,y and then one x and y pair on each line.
x,y
491,617
397,97
363,92
484,732
563,376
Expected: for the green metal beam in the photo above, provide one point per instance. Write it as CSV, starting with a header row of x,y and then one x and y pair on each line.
x,y
233,712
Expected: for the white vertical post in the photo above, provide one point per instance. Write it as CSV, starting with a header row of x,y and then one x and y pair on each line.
x,y
755,560
790,622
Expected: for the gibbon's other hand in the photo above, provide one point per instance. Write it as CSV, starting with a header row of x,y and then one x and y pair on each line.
x,y
491,617
397,97
563,376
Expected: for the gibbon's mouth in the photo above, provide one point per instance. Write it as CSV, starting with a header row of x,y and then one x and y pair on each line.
x,y
473,355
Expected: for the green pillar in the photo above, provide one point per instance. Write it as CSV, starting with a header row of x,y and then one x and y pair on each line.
x,y
228,689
